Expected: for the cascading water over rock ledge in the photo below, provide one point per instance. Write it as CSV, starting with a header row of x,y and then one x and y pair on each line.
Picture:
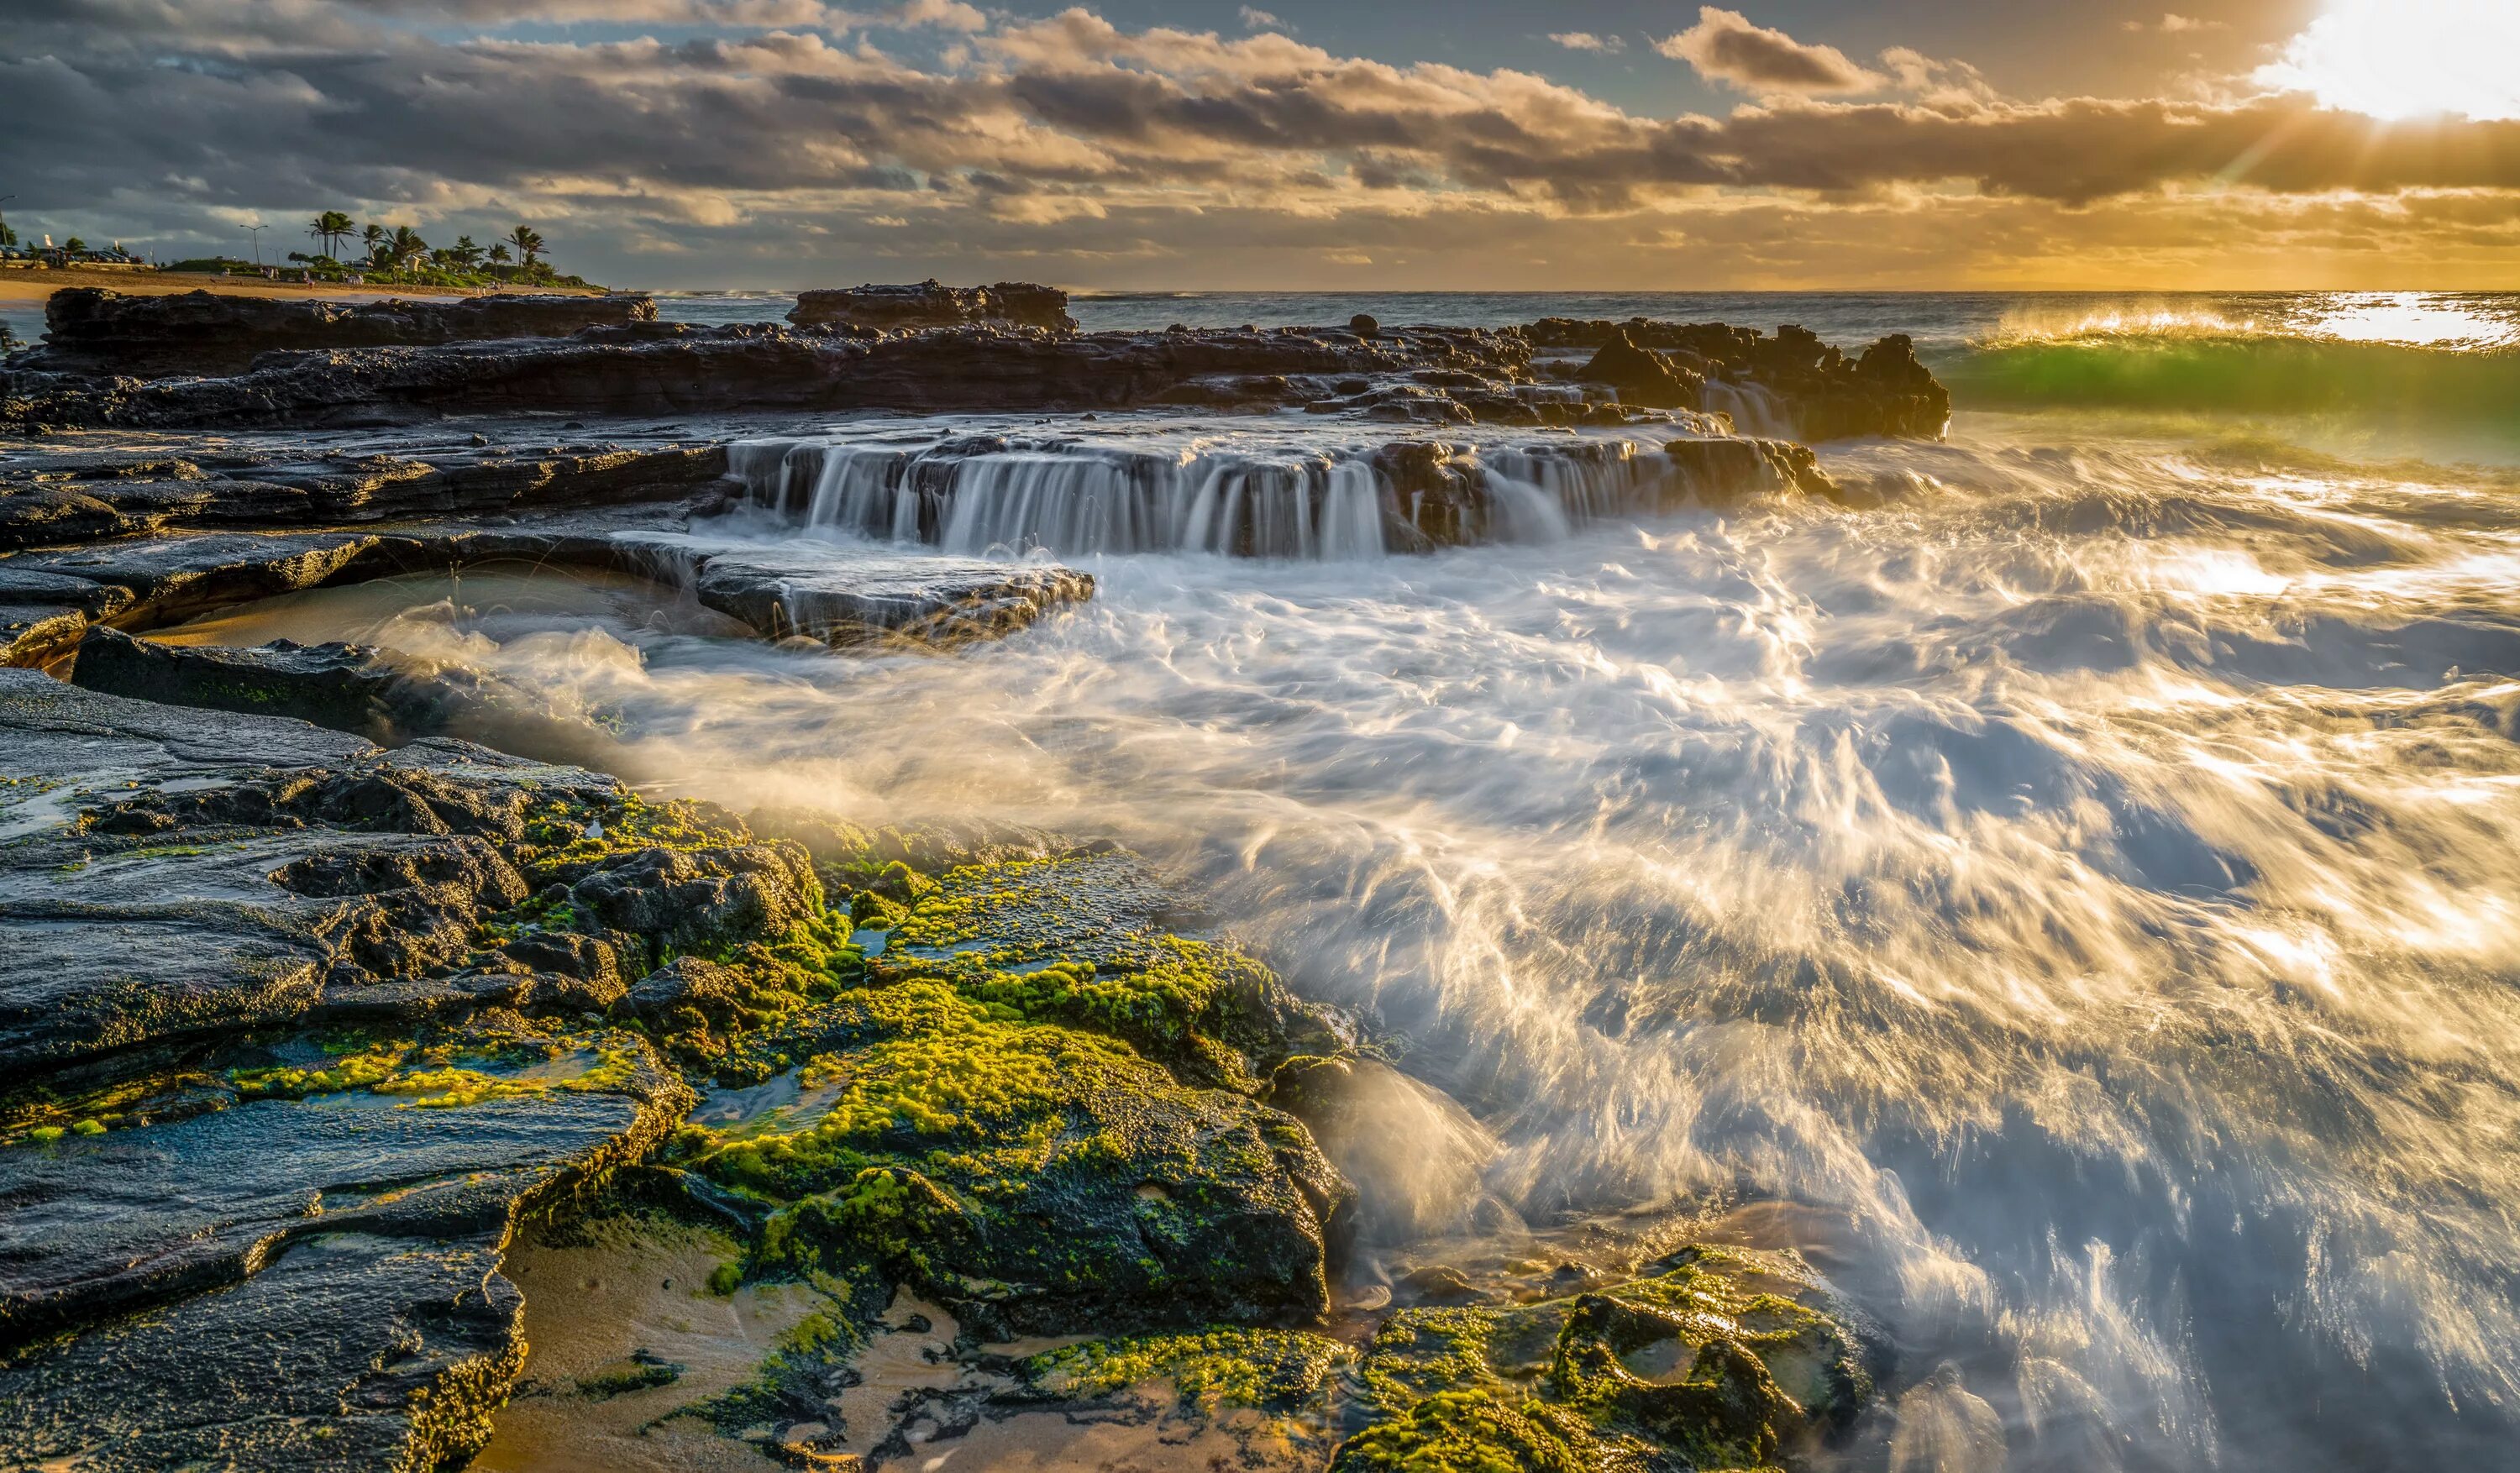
x,y
1076,496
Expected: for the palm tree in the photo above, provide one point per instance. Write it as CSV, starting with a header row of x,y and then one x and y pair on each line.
x,y
373,237
329,227
528,242
406,245
464,253
499,254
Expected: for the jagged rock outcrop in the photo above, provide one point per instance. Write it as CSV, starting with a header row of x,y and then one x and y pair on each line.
x,y
1884,390
931,304
92,330
1645,378
230,1232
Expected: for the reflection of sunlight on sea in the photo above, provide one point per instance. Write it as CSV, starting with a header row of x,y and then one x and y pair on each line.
x,y
2407,319
2416,318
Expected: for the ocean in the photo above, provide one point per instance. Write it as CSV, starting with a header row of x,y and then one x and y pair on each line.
x,y
2067,885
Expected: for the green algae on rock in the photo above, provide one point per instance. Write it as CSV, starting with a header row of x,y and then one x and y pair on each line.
x,y
1085,940
1719,1360
1031,1177
1221,1365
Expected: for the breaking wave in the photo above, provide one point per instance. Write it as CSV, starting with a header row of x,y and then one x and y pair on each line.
x,y
2404,356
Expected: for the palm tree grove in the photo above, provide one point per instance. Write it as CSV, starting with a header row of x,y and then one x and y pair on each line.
x,y
399,255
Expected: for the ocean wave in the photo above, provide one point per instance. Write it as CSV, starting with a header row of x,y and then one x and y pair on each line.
x,y
2464,369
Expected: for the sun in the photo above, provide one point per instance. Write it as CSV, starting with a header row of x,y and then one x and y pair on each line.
x,y
2404,58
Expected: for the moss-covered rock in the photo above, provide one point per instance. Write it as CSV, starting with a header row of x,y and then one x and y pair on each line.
x,y
1210,1370
1481,1430
1029,1176
1720,1359
1085,940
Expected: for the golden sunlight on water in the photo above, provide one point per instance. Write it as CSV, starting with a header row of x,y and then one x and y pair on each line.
x,y
2418,319
2407,319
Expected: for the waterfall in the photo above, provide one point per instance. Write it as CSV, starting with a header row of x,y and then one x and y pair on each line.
x,y
1077,497
1754,408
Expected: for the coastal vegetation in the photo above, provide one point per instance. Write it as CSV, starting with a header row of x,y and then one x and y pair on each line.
x,y
348,252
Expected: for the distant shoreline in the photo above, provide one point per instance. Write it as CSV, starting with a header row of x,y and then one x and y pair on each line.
x,y
28,285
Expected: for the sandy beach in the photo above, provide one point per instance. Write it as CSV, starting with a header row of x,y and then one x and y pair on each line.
x,y
37,286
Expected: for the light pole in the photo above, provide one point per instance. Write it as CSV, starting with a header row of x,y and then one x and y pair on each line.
x,y
256,231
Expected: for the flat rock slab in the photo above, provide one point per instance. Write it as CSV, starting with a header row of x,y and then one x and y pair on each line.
x,y
849,595
94,330
50,599
96,1222
284,1285
68,497
356,688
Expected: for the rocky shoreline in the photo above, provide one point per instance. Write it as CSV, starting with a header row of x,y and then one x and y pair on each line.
x,y
323,1025
173,363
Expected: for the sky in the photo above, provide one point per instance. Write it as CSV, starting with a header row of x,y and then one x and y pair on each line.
x,y
1597,145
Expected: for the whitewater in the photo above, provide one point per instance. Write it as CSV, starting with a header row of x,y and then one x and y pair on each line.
x,y
2064,883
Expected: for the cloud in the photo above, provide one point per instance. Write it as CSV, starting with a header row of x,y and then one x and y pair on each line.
x,y
1725,47
1071,140
2174,24
1584,40
1260,20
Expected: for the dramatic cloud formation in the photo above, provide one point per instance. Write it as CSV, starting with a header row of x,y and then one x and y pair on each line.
x,y
779,153
1725,47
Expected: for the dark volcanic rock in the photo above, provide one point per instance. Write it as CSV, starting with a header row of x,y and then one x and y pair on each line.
x,y
90,330
367,1324
1418,373
703,901
836,597
173,874
931,304
664,369
172,578
37,634
94,498
1642,377
1718,470
1883,391
711,992
350,688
